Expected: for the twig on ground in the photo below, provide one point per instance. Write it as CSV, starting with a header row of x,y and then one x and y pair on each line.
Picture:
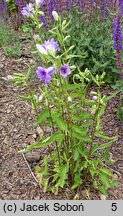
x,y
30,169
113,170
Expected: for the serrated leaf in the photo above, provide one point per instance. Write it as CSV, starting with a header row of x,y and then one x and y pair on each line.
x,y
44,115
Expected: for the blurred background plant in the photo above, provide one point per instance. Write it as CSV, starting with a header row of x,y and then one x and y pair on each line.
x,y
91,31
9,41
94,43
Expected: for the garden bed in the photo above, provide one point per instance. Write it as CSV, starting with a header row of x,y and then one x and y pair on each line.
x,y
17,132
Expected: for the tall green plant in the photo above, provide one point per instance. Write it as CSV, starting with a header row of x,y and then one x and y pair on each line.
x,y
74,154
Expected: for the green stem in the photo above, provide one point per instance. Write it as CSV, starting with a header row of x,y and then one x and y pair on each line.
x,y
94,125
69,136
48,106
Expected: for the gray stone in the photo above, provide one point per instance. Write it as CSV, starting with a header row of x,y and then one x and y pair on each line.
x,y
32,157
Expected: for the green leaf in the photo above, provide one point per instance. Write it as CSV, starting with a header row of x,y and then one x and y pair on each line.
x,y
62,125
84,152
75,154
114,183
26,97
90,102
79,129
103,190
93,171
44,115
74,95
105,145
87,124
100,113
77,181
54,137
106,153
45,185
95,147
57,136
73,86
105,179
73,56
106,171
100,134
84,165
82,116
62,175
81,137
76,135
37,169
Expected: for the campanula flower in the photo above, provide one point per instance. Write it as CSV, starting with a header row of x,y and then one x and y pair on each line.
x,y
41,49
28,11
45,74
65,70
48,47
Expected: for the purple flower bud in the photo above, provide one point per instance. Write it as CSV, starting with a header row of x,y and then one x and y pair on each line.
x,y
55,15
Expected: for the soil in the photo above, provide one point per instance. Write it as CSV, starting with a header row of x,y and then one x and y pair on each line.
x,y
17,131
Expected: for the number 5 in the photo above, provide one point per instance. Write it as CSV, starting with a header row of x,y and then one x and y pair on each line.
x,y
114,207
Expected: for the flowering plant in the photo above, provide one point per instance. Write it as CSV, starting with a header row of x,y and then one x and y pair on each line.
x,y
74,155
